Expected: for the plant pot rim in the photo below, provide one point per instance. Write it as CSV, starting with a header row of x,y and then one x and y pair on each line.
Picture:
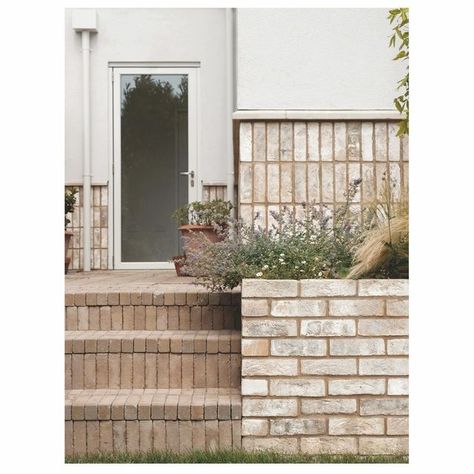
x,y
68,232
195,226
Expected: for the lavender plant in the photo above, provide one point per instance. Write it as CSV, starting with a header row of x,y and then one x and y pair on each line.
x,y
314,243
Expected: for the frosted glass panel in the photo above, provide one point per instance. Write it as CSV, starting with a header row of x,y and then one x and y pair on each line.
x,y
154,150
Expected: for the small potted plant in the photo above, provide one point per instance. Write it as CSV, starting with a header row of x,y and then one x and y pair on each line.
x,y
200,218
70,200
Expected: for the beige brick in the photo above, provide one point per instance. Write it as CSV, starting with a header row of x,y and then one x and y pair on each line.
x,y
340,181
328,327
295,347
269,288
286,184
397,307
71,318
356,426
383,287
397,386
380,445
82,318
327,182
269,407
385,366
329,445
255,347
356,307
297,387
269,366
316,288
328,406
281,445
259,139
288,426
212,434
383,327
273,141
211,370
273,183
300,141
245,141
254,387
301,194
393,142
384,406
298,308
368,182
397,425
255,307
246,182
254,427
268,327
159,435
380,141
199,435
116,316
119,436
79,437
313,141
356,346
397,347
286,141
106,444
146,436
367,141
259,181
326,141
340,145
329,367
359,386
314,186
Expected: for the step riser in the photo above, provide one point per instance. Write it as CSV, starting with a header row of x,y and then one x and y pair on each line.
x,y
152,370
133,436
152,318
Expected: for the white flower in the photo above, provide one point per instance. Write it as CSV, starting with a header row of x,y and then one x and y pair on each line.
x,y
281,260
320,274
296,266
283,263
303,262
301,270
259,274
282,255
264,267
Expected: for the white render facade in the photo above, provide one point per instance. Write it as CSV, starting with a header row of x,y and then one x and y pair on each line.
x,y
286,105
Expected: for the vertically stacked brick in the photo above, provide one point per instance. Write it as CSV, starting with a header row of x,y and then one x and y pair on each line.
x,y
325,366
287,163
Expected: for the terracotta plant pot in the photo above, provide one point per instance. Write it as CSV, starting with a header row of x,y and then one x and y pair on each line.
x,y
67,239
179,262
190,235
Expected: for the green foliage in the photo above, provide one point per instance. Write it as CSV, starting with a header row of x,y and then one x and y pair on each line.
x,y
400,38
316,244
234,456
216,212
70,200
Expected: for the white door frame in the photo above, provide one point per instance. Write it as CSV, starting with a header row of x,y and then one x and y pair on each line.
x,y
193,143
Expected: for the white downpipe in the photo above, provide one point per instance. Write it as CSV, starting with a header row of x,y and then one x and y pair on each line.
x,y
230,102
86,190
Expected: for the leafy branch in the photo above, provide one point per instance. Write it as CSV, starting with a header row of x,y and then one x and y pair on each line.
x,y
400,38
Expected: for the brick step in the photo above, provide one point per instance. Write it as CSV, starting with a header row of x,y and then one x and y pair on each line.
x,y
178,311
143,420
152,359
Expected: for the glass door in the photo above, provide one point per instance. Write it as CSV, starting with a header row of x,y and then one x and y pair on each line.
x,y
154,155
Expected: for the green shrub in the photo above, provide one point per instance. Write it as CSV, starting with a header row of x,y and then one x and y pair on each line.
x,y
317,244
216,212
70,200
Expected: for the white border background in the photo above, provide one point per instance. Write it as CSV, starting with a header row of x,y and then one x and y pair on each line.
x,y
441,179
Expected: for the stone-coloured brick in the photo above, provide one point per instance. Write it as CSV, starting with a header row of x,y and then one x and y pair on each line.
x,y
357,386
245,184
326,141
383,327
397,307
297,387
269,288
398,386
328,406
383,287
356,426
313,141
286,141
356,346
273,183
273,141
314,185
356,307
254,427
384,406
245,141
300,141
286,183
298,347
282,445
380,141
254,387
269,366
255,307
316,288
397,347
382,445
255,347
397,425
367,141
328,327
340,181
269,407
329,445
268,328
327,182
259,182
259,133
300,183
298,308
329,367
289,426
385,366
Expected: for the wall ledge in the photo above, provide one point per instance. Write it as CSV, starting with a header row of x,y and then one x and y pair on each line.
x,y
316,115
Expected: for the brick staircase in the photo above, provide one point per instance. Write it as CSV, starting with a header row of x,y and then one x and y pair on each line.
x,y
152,371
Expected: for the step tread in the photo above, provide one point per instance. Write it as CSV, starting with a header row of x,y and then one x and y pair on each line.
x,y
174,341
153,404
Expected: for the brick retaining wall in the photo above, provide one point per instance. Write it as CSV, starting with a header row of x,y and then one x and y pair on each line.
x,y
325,366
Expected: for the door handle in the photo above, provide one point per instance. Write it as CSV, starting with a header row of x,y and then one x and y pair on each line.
x,y
190,174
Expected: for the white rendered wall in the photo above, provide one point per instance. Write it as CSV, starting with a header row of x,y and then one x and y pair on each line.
x,y
136,35
315,59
